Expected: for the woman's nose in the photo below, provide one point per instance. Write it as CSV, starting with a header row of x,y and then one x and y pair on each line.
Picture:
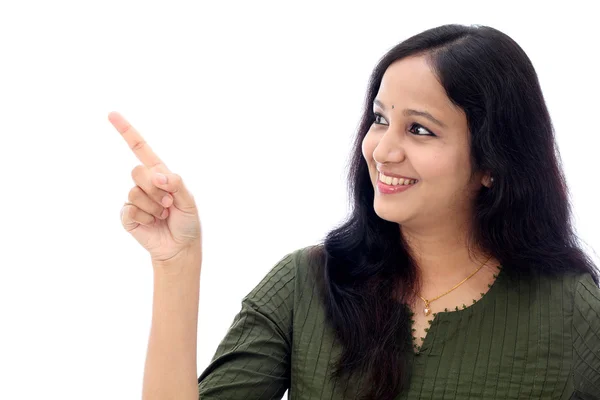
x,y
389,149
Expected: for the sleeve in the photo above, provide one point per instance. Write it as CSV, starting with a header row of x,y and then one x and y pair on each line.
x,y
586,338
253,359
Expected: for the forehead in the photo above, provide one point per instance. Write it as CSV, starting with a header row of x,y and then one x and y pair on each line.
x,y
410,83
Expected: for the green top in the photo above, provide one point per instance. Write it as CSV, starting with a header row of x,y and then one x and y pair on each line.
x,y
526,339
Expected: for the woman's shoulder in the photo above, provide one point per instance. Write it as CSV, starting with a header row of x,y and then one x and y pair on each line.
x,y
572,284
586,307
292,274
573,294
582,295
566,304
585,287
585,332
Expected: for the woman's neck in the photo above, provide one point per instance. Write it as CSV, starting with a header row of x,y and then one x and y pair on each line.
x,y
443,254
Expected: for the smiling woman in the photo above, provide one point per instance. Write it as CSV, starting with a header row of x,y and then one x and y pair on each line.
x,y
457,273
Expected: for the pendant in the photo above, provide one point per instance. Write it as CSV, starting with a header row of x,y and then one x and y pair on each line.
x,y
427,310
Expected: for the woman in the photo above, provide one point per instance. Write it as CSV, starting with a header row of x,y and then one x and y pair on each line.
x,y
457,275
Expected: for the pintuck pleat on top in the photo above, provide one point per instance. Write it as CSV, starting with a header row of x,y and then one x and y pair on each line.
x,y
536,338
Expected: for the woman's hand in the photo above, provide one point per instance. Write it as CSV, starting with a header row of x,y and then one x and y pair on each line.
x,y
160,214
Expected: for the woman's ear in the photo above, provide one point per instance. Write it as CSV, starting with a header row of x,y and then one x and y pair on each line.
x,y
487,180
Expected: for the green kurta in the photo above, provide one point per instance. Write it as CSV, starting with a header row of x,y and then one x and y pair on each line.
x,y
534,339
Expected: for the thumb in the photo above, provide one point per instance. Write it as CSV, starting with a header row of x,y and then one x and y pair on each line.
x,y
172,183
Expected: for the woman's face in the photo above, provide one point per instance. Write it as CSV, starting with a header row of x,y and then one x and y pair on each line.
x,y
402,142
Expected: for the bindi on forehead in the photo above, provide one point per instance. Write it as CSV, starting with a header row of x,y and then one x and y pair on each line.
x,y
410,112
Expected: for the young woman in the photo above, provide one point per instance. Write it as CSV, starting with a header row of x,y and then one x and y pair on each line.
x,y
457,274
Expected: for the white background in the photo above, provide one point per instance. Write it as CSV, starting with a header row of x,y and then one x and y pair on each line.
x,y
255,105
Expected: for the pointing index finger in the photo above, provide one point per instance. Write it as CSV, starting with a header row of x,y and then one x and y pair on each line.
x,y
136,142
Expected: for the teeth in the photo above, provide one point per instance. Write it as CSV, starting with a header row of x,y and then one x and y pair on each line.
x,y
395,181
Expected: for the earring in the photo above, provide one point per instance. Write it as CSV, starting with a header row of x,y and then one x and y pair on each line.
x,y
492,179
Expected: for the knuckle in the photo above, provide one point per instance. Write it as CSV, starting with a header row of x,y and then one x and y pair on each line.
x,y
128,214
177,179
137,172
135,194
137,216
158,212
132,212
156,208
158,194
138,145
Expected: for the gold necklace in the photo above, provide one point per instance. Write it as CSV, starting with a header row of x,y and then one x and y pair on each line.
x,y
427,310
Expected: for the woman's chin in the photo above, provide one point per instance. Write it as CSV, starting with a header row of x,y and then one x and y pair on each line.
x,y
390,212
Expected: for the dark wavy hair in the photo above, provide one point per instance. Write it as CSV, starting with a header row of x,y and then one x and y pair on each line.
x,y
523,219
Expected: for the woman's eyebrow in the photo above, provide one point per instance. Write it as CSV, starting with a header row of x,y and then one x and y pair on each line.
x,y
409,112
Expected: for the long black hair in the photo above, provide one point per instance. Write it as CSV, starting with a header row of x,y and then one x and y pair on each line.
x,y
523,219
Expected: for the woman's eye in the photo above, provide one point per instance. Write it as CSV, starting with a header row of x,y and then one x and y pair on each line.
x,y
420,130
415,129
378,119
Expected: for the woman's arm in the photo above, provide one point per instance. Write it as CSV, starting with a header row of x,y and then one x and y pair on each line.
x,y
253,360
170,371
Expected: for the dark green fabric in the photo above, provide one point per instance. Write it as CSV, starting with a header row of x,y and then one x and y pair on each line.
x,y
535,338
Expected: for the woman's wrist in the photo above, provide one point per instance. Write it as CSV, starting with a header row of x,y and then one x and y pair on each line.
x,y
189,259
